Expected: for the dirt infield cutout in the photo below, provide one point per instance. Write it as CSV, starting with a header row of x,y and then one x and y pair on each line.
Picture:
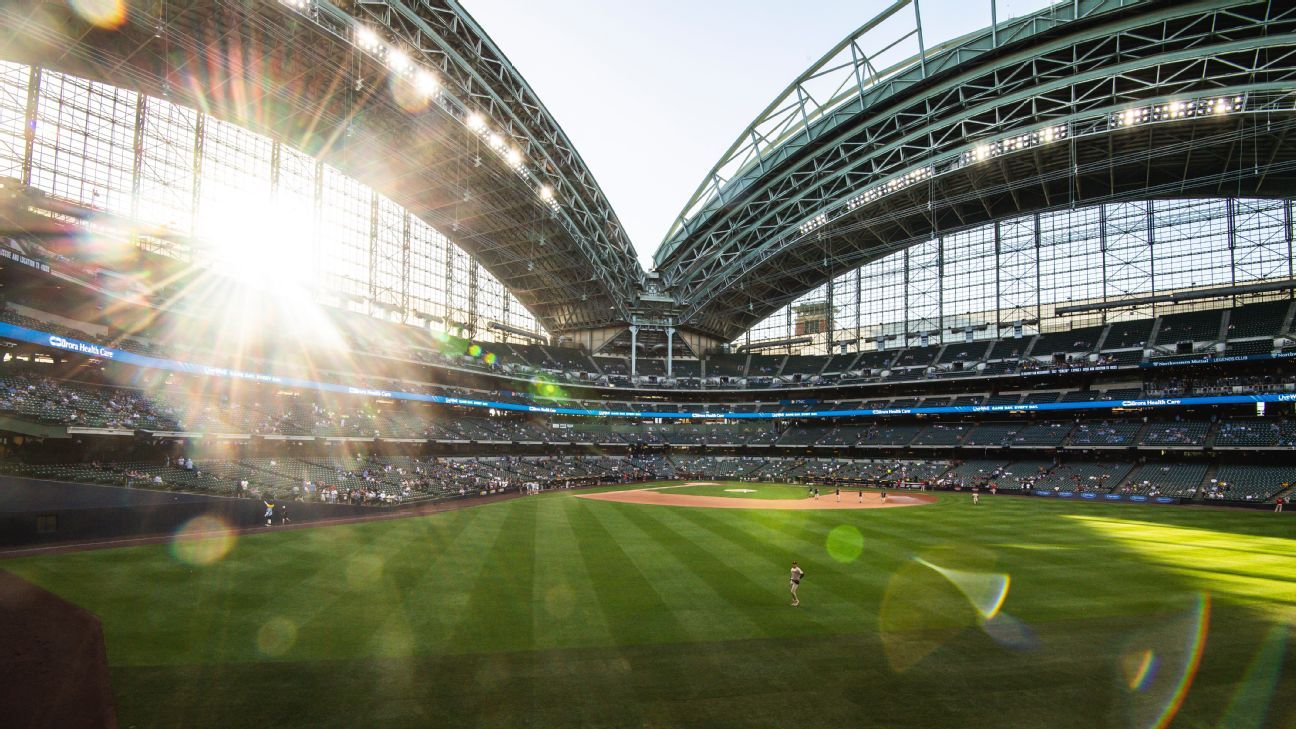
x,y
849,501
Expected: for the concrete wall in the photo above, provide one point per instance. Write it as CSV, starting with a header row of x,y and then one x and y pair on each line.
x,y
85,511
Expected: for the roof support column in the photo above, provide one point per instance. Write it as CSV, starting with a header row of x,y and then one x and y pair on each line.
x,y
634,350
670,351
994,24
29,128
1287,233
922,47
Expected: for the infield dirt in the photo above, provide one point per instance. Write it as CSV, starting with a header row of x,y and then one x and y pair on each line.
x,y
849,501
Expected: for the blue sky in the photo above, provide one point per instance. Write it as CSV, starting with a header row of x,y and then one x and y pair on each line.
x,y
652,93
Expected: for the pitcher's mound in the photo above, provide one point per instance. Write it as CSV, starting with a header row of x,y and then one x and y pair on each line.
x,y
848,501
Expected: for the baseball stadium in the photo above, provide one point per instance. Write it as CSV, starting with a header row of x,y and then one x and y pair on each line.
x,y
958,393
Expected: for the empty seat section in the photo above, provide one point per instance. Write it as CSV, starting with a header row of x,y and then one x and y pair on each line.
x,y
1190,326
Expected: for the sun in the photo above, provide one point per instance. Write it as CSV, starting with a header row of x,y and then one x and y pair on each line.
x,y
258,240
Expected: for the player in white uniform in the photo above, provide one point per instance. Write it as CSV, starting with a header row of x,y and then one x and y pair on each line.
x,y
797,574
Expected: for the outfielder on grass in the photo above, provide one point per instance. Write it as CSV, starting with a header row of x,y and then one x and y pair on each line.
x,y
797,574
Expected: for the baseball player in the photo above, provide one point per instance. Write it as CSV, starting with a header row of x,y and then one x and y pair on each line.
x,y
797,574
269,512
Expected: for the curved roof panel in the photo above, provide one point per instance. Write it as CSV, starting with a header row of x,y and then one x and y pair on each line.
x,y
1025,116
485,163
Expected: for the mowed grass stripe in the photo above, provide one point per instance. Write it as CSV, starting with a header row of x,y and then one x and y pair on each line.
x,y
632,605
969,538
692,598
831,593
375,577
800,536
705,583
939,540
497,614
567,611
356,565
413,576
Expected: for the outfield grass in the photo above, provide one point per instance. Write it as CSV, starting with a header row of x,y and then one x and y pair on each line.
x,y
558,611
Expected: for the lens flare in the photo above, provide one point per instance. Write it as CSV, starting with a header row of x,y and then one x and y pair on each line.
x,y
985,590
106,14
276,636
919,614
545,389
202,541
450,345
1157,666
408,93
1010,633
1251,702
1140,668
845,543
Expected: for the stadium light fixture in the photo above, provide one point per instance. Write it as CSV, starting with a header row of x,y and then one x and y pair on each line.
x,y
893,185
817,221
501,146
979,153
1051,134
1175,110
426,83
399,61
1224,105
367,39
549,197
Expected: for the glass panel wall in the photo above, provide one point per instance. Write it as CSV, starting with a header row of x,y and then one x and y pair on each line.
x,y
248,202
1018,272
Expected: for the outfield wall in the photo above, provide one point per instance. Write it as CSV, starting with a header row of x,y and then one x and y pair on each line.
x,y
40,512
